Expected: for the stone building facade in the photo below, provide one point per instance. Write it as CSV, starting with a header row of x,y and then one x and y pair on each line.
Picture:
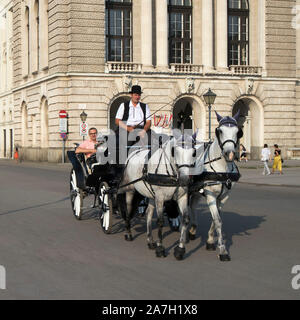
x,y
70,54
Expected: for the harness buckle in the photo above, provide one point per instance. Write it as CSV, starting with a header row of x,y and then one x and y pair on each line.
x,y
228,184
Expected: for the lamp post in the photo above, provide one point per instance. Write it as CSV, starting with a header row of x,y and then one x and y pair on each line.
x,y
83,117
209,98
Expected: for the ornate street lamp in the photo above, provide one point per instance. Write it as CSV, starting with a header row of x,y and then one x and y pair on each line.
x,y
209,98
83,116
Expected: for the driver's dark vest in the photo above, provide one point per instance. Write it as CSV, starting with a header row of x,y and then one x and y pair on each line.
x,y
126,111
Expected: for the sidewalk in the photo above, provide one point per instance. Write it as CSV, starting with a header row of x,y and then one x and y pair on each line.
x,y
252,174
251,171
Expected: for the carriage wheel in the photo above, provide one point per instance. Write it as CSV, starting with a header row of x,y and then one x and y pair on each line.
x,y
106,213
76,196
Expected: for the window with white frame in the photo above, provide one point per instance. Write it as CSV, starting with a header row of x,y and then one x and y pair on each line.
x,y
238,32
180,31
118,29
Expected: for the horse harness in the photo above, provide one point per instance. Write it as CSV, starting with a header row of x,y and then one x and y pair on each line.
x,y
215,178
156,179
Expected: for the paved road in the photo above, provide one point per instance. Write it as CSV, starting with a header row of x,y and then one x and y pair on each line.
x,y
49,255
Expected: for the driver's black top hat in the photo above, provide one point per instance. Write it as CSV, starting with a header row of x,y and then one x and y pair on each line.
x,y
136,89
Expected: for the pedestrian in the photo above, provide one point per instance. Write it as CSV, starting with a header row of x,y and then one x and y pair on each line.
x,y
265,157
277,164
243,153
16,155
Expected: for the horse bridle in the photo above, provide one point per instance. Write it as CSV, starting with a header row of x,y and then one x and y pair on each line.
x,y
189,166
221,145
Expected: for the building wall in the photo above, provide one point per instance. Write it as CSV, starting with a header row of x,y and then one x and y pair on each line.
x,y
75,73
6,79
280,38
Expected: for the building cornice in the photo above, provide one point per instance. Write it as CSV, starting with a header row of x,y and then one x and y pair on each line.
x,y
153,75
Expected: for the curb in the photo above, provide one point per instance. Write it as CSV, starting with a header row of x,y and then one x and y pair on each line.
x,y
270,185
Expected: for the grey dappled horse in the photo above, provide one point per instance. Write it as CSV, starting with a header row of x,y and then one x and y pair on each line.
x,y
217,178
166,177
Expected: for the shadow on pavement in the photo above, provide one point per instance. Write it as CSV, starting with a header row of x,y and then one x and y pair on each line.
x,y
233,224
34,207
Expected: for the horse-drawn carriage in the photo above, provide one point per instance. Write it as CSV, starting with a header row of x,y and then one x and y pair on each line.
x,y
166,177
89,177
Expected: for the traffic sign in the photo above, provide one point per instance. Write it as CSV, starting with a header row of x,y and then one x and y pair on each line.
x,y
63,136
63,125
83,129
63,114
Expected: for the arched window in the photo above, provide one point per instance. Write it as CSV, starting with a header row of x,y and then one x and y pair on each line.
x,y
238,32
27,41
37,30
180,31
44,124
118,30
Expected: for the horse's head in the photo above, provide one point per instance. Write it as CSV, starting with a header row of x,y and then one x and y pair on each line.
x,y
184,153
228,133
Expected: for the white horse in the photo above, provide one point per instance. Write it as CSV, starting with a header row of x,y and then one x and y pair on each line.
x,y
219,175
164,177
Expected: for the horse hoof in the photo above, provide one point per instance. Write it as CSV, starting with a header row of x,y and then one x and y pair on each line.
x,y
210,246
224,257
192,236
160,252
128,237
179,253
152,246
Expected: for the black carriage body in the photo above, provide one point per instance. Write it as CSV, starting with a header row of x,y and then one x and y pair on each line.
x,y
104,172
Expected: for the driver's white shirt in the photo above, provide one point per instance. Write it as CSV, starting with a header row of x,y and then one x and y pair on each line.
x,y
136,115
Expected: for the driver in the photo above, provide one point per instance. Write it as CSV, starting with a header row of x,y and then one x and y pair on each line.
x,y
133,115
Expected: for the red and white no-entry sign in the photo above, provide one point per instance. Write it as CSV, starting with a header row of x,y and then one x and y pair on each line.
x,y
63,114
63,121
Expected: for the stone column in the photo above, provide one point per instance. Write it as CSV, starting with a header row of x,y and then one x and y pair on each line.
x,y
146,33
222,36
207,34
162,60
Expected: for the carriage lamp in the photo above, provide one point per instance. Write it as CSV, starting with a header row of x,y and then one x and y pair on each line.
x,y
83,116
209,98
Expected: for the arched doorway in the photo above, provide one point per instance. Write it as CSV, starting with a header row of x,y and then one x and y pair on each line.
x,y
189,113
252,122
113,110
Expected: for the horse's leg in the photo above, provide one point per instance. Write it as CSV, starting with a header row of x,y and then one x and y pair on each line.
x,y
179,251
212,204
210,243
129,198
193,229
160,250
149,215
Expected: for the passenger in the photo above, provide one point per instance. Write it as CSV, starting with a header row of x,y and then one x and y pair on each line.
x,y
88,147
